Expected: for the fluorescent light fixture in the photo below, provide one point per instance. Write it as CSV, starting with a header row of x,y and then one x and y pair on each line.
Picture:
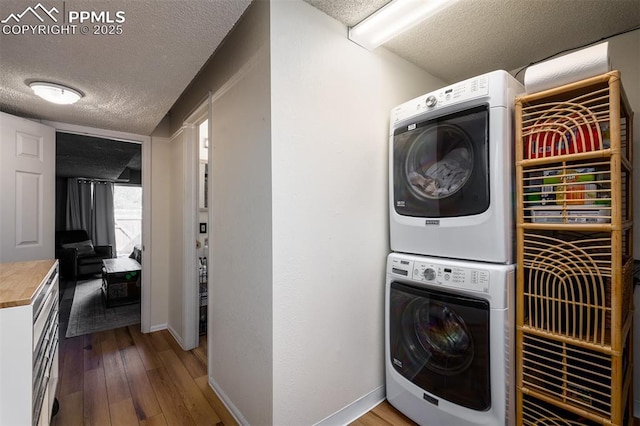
x,y
392,19
55,93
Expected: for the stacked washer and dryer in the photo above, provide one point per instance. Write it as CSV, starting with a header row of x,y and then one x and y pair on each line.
x,y
450,279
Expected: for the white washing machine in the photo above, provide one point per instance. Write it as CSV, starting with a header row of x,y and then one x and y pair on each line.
x,y
451,166
448,341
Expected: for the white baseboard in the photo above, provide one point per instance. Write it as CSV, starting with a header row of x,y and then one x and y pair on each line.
x,y
342,417
356,409
157,327
237,415
175,336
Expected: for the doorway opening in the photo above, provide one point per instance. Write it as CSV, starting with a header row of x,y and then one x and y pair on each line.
x,y
203,235
194,140
98,196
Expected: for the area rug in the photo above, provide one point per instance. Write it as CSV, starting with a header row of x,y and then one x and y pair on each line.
x,y
89,313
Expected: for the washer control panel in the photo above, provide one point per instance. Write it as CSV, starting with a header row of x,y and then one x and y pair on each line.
x,y
442,274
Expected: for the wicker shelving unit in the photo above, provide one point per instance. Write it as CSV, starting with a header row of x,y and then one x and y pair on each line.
x,y
574,308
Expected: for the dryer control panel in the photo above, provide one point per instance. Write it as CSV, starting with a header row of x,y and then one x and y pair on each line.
x,y
440,274
459,92
465,90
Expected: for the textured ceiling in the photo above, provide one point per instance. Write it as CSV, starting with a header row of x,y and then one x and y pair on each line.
x,y
91,157
471,37
349,12
129,80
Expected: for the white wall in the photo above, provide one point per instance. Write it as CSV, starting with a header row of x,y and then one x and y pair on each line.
x,y
241,283
624,51
240,279
330,103
299,206
160,238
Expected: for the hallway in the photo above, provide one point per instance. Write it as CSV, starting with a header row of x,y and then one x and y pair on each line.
x,y
124,377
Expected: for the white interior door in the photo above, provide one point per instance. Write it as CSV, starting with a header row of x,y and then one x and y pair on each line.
x,y
27,182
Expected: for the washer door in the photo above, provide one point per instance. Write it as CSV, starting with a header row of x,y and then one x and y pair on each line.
x,y
440,342
441,165
441,333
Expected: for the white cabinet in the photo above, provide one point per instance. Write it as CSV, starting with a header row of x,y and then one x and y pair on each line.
x,y
28,341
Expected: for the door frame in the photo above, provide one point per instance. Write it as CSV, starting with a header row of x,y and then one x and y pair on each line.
x,y
145,141
191,288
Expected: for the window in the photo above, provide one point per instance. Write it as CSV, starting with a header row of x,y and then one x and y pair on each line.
x,y
127,209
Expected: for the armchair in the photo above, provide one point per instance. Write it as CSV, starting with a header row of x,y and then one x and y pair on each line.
x,y
77,254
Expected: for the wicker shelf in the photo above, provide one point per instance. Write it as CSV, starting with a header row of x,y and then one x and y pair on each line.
x,y
574,310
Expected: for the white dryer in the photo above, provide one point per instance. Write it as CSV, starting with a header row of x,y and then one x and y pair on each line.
x,y
448,341
450,171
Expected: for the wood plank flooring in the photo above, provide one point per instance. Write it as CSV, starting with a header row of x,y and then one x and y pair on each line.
x,y
124,377
384,414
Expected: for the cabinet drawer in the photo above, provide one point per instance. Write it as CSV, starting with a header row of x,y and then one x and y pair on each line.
x,y
29,333
45,348
43,318
43,376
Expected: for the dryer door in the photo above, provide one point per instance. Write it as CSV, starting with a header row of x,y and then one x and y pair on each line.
x,y
440,165
440,342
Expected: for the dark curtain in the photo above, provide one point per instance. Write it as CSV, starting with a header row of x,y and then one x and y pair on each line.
x,y
90,207
79,204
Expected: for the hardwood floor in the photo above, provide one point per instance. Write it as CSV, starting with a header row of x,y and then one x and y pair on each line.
x,y
384,414
124,377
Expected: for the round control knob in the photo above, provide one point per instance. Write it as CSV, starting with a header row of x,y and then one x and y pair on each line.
x,y
429,274
431,101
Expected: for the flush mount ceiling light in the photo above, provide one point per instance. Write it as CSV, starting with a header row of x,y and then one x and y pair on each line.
x,y
55,93
392,19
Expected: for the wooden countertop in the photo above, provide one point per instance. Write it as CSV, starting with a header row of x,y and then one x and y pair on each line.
x,y
20,281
